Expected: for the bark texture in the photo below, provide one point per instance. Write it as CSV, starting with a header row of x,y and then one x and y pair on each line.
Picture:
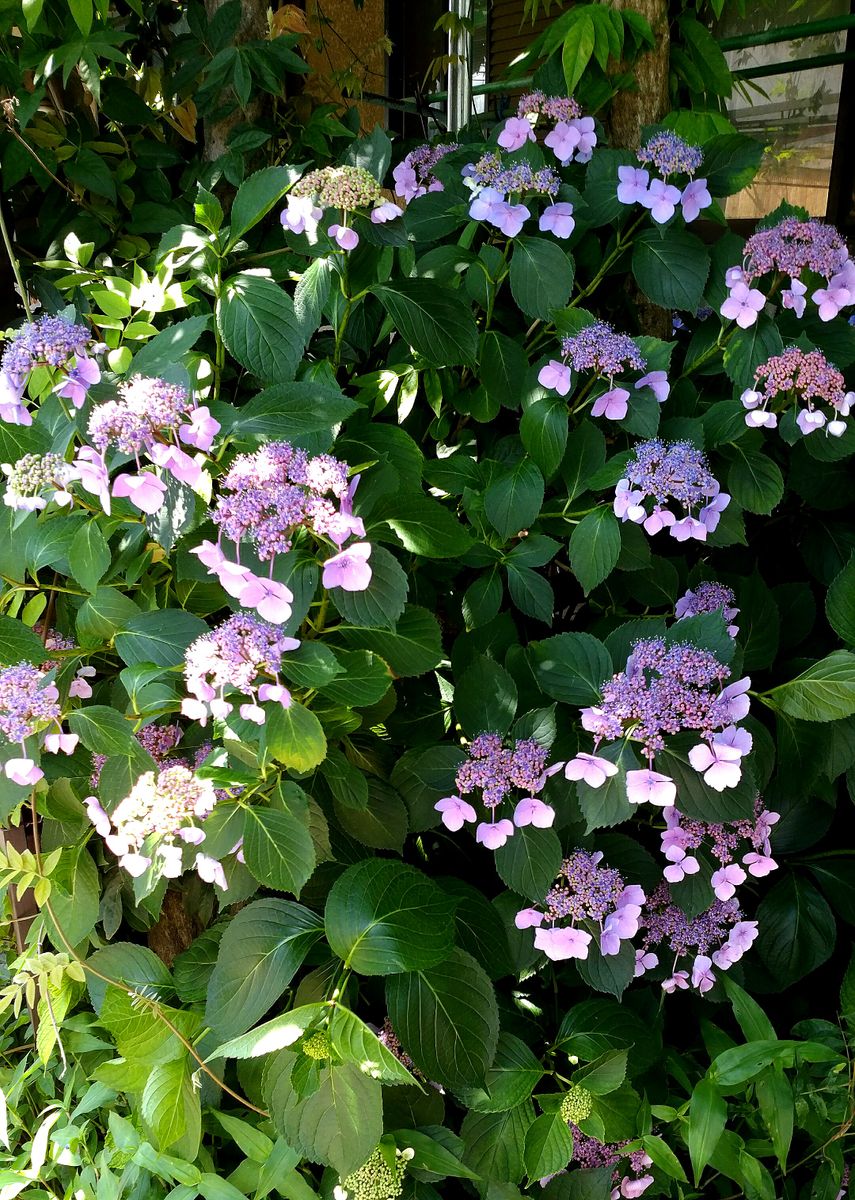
x,y
174,931
253,27
631,110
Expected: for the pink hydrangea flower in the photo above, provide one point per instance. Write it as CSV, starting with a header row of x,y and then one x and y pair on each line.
x,y
662,199
612,404
210,870
563,141
695,197
495,834
145,491
590,768
678,981
650,787
793,297
658,383
742,305
531,811
555,376
515,133
201,430
562,943
557,219
528,918
78,381
455,812
344,236
718,763
387,211
22,771
726,880
349,569
703,977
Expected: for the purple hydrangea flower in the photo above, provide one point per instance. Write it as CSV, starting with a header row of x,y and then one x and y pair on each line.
x,y
670,472
414,176
244,654
496,772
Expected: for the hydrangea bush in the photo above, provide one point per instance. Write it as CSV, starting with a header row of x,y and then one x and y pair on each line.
x,y
425,694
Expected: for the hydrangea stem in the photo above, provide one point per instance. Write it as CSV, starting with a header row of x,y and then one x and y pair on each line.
x,y
15,265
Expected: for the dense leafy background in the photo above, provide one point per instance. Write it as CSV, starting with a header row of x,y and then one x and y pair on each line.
x,y
153,1040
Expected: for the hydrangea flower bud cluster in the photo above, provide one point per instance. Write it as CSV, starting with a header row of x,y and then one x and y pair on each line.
x,y
244,654
499,188
55,343
585,892
28,704
709,597
414,176
36,479
717,938
788,249
151,417
348,189
161,811
588,1154
577,1105
265,498
796,376
663,472
600,349
662,690
495,772
725,842
572,136
670,155
381,1177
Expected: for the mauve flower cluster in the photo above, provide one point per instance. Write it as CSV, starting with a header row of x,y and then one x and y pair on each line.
x,y
585,892
346,188
243,653
151,417
589,1154
496,183
161,811
789,248
495,772
55,343
670,155
663,472
600,349
27,705
662,690
793,376
709,597
724,841
414,176
719,937
572,136
265,498
36,479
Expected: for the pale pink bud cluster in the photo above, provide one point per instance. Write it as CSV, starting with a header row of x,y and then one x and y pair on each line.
x,y
157,820
347,189
801,379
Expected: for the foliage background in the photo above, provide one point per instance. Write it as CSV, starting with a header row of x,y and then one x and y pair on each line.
x,y
417,360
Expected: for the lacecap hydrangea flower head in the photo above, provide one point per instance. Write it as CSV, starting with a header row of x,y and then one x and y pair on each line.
x,y
414,176
586,900
802,383
670,473
29,707
265,499
605,353
151,418
346,189
570,137
504,188
717,938
739,848
672,158
786,256
499,774
665,689
709,596
60,346
161,815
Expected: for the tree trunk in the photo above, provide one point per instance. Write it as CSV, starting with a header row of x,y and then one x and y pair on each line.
x,y
175,929
646,104
253,27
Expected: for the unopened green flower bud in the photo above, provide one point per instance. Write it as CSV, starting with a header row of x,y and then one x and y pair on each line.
x,y
318,1045
577,1104
376,1179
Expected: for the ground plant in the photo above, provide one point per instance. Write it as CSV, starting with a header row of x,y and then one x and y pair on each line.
x,y
427,688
